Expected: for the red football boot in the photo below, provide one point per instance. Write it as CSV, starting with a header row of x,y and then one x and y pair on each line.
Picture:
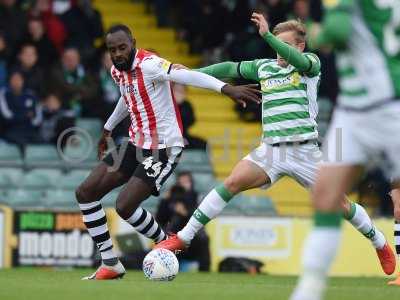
x,y
387,259
172,243
105,272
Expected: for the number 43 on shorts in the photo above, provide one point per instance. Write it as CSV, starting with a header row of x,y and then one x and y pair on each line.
x,y
153,168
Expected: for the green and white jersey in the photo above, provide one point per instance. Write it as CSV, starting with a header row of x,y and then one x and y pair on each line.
x,y
369,67
289,99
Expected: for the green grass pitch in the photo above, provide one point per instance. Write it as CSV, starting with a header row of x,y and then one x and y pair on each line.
x,y
43,284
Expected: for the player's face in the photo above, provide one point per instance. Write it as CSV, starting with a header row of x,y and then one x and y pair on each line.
x,y
122,50
289,37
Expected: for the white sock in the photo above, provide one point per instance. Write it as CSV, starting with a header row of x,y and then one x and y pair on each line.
x,y
145,224
95,220
363,223
320,250
212,205
397,238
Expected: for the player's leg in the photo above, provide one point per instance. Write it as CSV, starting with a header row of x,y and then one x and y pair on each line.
x,y
148,178
245,175
100,182
303,161
128,207
396,205
357,216
340,167
331,184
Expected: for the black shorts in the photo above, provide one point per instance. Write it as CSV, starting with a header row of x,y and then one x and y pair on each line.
x,y
153,166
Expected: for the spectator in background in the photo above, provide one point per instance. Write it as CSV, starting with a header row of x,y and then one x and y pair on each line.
x,y
110,90
56,119
75,85
110,95
55,29
301,11
4,57
28,65
37,37
12,23
20,112
175,210
188,117
185,180
79,16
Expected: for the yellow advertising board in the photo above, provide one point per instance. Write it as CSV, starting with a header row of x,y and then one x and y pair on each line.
x,y
278,242
7,241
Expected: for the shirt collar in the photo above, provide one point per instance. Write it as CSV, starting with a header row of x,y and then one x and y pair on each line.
x,y
135,60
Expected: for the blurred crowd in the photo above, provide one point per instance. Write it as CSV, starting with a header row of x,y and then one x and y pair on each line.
x,y
221,30
53,68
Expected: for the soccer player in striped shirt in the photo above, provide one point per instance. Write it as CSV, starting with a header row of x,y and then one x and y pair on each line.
x,y
289,87
366,36
155,144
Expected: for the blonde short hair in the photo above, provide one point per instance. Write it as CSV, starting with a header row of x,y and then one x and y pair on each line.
x,y
292,25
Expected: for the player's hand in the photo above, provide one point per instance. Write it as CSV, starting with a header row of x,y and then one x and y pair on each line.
x,y
243,93
261,23
179,67
102,145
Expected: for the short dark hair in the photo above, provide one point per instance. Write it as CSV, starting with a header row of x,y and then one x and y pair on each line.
x,y
120,27
184,173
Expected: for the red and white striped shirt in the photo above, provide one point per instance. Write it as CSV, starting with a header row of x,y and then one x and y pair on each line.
x,y
155,118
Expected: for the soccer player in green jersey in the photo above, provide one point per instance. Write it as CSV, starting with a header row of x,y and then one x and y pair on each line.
x,y
366,35
289,87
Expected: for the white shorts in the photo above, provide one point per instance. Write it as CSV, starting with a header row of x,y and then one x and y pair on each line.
x,y
367,138
297,161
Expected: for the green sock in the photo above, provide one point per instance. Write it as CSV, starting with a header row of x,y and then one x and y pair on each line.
x,y
328,219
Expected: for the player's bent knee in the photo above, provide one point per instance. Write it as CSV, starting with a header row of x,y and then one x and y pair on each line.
x,y
397,213
232,184
120,207
124,208
80,194
322,198
85,194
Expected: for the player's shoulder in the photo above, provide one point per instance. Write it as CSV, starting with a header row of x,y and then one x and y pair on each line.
x,y
152,64
313,57
264,61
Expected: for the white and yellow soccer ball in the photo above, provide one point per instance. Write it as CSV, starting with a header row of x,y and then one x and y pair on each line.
x,y
160,265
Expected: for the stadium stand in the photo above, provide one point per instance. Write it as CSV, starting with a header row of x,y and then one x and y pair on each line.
x,y
228,137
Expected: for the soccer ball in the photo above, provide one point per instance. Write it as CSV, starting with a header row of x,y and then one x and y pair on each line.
x,y
160,265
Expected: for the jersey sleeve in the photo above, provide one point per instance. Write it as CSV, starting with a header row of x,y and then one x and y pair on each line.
x,y
249,70
156,67
315,65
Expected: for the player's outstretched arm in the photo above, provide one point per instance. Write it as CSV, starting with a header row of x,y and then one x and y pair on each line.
x,y
240,94
224,70
293,56
120,112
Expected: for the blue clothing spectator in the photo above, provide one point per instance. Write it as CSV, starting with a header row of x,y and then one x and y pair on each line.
x,y
20,112
4,58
